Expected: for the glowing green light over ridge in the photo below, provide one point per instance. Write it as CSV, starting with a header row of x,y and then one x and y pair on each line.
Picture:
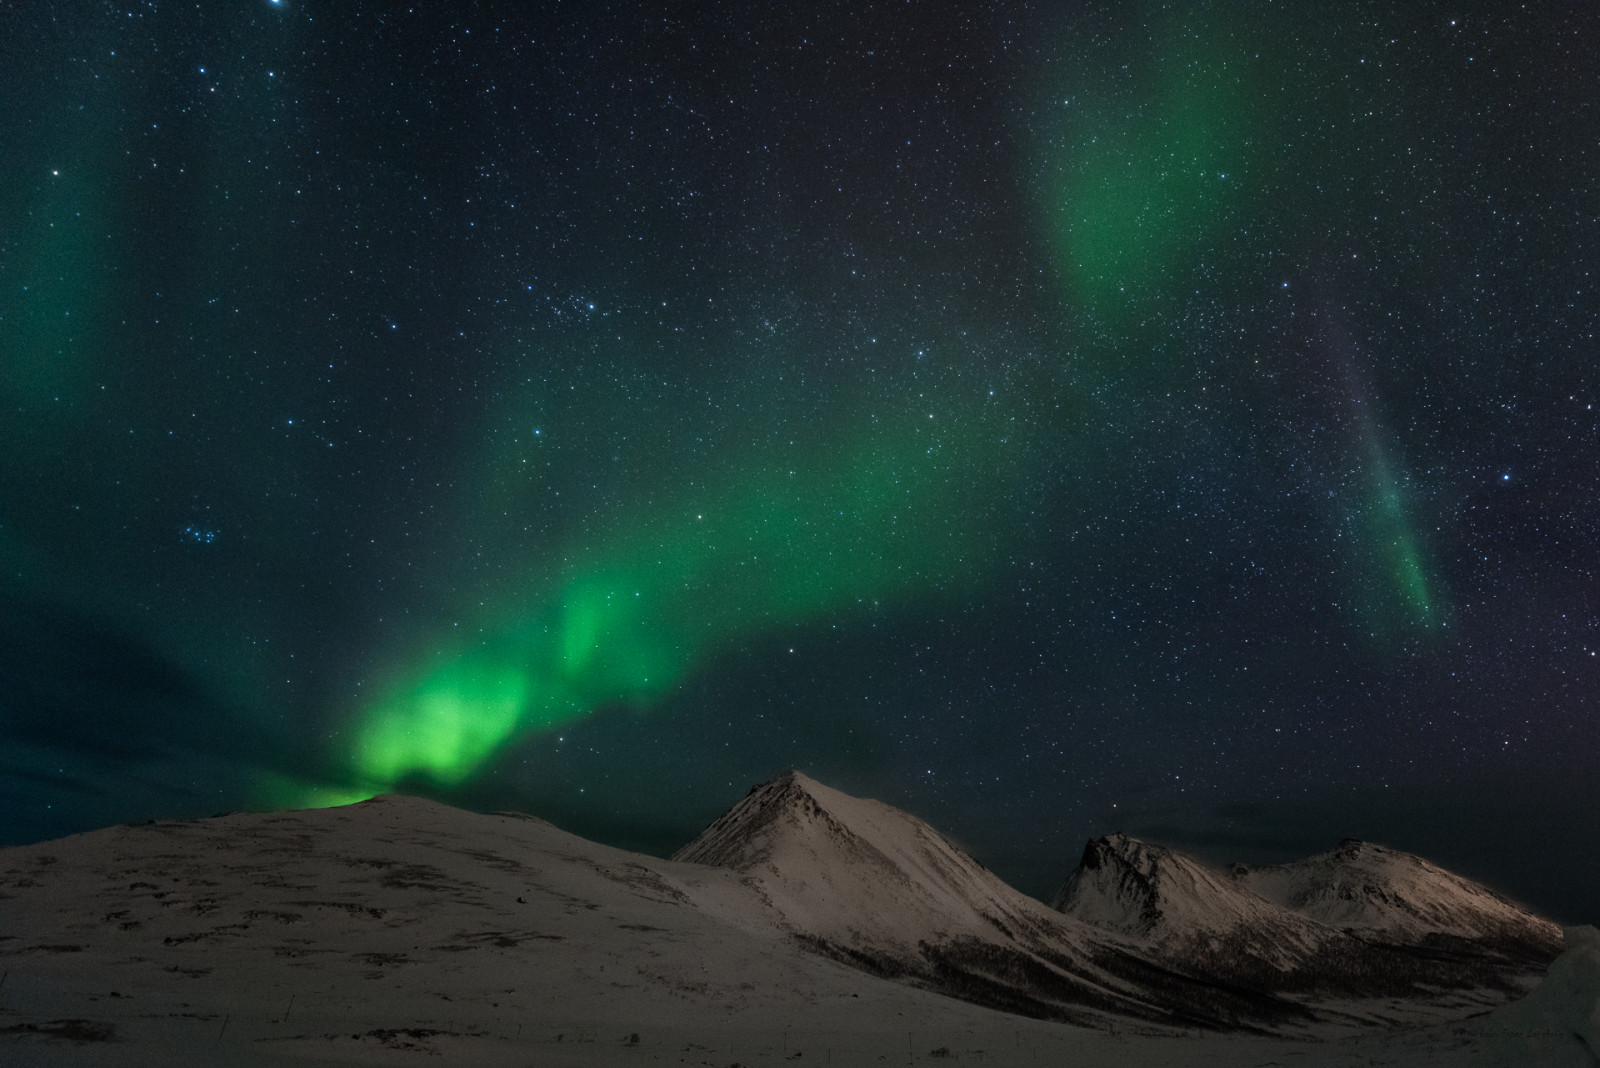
x,y
448,724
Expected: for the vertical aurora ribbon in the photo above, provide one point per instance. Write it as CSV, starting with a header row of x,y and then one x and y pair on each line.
x,y
1388,538
1387,578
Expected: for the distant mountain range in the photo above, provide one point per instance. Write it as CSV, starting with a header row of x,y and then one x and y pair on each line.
x,y
790,911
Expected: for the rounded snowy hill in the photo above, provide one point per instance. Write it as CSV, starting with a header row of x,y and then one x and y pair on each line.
x,y
1377,891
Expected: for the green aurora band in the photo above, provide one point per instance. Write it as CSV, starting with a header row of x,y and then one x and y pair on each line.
x,y
889,515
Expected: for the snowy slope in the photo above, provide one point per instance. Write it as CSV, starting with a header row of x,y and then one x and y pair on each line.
x,y
399,926
1384,893
1558,1025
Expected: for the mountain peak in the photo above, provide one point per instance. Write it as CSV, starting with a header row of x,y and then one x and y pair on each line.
x,y
747,833
1363,886
793,776
1143,889
855,871
1295,923
794,785
1121,848
1352,849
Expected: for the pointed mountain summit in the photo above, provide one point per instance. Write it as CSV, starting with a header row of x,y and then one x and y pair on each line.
x,y
1175,902
857,868
1382,893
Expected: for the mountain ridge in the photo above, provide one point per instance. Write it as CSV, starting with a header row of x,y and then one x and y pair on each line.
x,y
411,887
1138,928
876,887
1419,929
1367,887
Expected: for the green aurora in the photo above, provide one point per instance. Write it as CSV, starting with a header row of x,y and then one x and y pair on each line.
x,y
1154,160
1395,599
889,515
1144,168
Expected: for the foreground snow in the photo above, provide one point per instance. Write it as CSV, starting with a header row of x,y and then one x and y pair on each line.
x,y
379,932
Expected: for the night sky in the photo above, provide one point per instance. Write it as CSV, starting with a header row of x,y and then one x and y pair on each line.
x,y
1049,418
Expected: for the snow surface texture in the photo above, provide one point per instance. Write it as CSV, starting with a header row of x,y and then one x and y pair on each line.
x,y
1363,922
372,933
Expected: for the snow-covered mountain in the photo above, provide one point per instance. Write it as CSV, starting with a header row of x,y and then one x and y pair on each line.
x,y
1360,922
861,873
1170,900
873,886
1382,893
876,887
802,920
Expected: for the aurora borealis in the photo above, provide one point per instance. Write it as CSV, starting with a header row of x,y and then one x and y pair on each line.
x,y
875,520
1050,419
